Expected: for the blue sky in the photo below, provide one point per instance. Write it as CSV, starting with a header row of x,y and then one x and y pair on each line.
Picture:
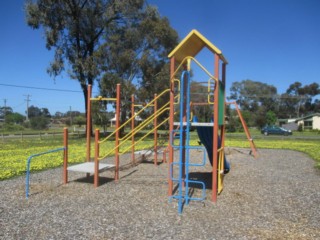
x,y
272,41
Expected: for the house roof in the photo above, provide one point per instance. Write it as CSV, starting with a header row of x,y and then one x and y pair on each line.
x,y
308,116
191,45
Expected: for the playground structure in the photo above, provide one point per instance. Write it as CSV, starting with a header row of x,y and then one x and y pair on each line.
x,y
179,113
122,144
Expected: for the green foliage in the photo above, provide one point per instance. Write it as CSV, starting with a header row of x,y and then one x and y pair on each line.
x,y
136,57
111,41
10,127
39,123
4,111
259,98
79,120
271,118
14,118
34,111
255,97
297,100
251,94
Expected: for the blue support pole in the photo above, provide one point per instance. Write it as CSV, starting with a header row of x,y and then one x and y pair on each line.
x,y
181,143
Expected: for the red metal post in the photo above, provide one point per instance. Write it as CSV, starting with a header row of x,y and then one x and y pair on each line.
x,y
215,130
116,176
132,129
155,123
96,159
65,155
171,119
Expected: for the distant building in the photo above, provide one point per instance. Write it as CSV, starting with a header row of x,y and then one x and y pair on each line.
x,y
311,121
113,120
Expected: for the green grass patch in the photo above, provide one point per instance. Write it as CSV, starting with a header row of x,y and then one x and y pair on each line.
x,y
310,147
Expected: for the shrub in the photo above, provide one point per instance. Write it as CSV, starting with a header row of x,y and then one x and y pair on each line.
x,y
39,123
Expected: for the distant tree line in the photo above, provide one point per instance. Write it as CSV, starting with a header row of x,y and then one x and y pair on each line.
x,y
261,104
40,118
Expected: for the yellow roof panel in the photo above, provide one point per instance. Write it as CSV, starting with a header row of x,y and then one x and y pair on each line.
x,y
191,45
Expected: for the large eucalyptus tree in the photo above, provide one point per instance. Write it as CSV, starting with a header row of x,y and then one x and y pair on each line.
x,y
75,30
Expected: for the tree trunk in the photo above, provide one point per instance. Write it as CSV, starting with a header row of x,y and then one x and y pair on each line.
x,y
85,94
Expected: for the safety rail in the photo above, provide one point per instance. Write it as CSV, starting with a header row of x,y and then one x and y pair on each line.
x,y
125,140
29,162
185,60
130,119
65,160
127,137
146,135
134,131
146,121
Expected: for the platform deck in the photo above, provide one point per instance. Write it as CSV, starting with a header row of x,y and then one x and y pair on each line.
x,y
88,167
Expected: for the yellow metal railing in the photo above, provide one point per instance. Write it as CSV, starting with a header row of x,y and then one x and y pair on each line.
x,y
146,135
187,60
220,169
134,131
132,117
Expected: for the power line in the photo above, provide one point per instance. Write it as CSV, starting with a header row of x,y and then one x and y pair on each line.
x,y
278,96
39,88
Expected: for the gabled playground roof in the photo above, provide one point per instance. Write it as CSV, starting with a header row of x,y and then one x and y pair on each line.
x,y
191,45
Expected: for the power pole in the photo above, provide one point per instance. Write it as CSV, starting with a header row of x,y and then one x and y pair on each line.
x,y
70,117
27,100
5,107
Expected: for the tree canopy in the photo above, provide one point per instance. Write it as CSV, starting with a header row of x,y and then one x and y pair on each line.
x,y
120,40
265,105
136,57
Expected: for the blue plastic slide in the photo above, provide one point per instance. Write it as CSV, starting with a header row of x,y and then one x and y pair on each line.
x,y
205,134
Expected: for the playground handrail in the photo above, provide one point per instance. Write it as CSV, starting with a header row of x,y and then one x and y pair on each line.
x,y
186,59
130,119
127,137
147,134
29,163
145,122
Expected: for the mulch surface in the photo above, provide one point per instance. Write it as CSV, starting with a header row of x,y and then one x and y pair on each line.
x,y
276,196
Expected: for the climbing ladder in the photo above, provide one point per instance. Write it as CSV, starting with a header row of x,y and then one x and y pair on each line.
x,y
183,194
